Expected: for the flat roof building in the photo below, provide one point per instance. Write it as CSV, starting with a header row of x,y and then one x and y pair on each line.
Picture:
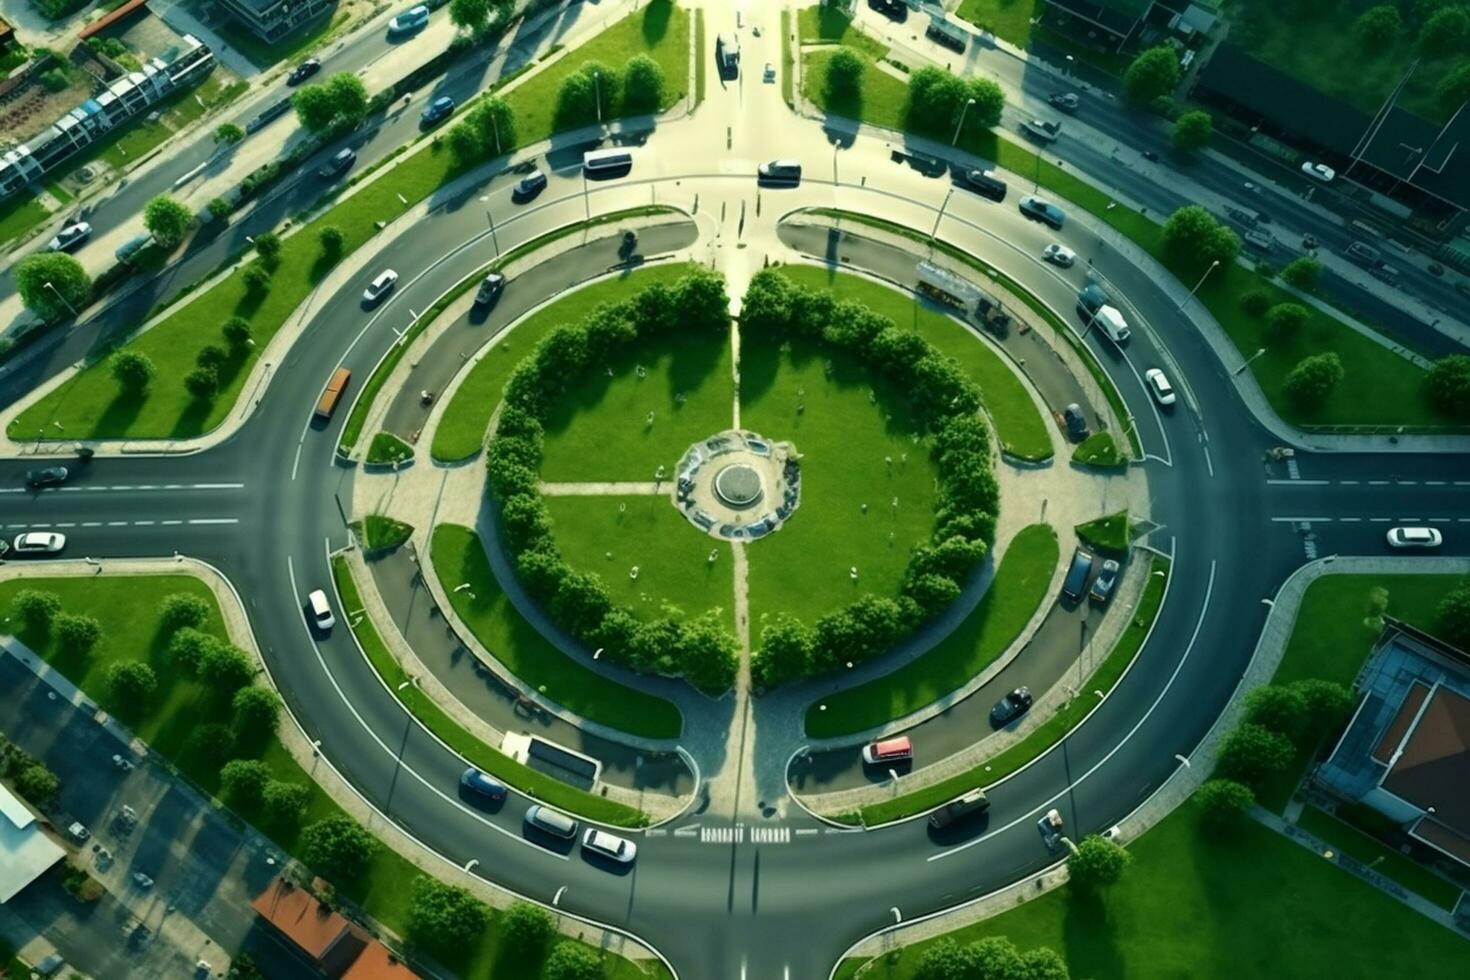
x,y
25,850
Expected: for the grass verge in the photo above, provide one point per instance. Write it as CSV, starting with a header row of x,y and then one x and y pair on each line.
x,y
387,450
824,24
19,215
1107,535
1016,592
1100,450
1382,858
380,531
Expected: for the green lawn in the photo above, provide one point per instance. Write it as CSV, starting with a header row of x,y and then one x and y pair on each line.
x,y
822,24
459,557
1108,534
1385,860
610,535
599,429
487,758
1201,905
1017,591
387,449
1018,424
92,406
19,215
1101,450
461,430
264,54
1049,732
1009,20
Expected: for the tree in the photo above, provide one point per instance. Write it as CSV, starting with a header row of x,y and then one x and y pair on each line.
x,y
844,79
37,783
572,961
202,383
237,332
643,84
226,669
990,101
336,105
444,919
1194,238
331,239
256,712
244,967
1377,28
209,746
785,651
1453,90
283,804
526,931
1255,302
470,15
218,208
257,279
1325,704
1280,708
76,634
1448,385
212,356
40,278
1097,861
486,130
1224,801
1285,320
1192,131
244,780
1153,75
937,99
268,246
945,960
1446,33
1313,379
132,684
338,847
228,134
167,220
189,649
1454,617
585,95
36,608
1249,753
1303,272
132,371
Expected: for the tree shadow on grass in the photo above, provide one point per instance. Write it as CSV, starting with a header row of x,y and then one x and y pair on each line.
x,y
656,21
119,415
194,419
1089,939
693,360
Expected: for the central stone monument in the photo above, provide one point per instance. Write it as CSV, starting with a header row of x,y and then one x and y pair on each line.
x,y
738,485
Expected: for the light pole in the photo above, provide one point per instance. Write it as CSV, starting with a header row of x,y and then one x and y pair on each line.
x,y
960,125
935,230
495,128
61,297
1197,286
1248,361
491,218
586,199
597,94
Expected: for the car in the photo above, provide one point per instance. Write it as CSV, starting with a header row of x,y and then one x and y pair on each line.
x,y
339,163
528,187
131,247
490,288
900,749
38,543
4,547
78,832
1092,298
51,476
49,966
785,173
609,845
1415,537
1044,211
1058,254
482,785
1077,573
69,237
437,111
379,287
1065,101
1159,387
769,74
1076,422
986,184
1011,707
727,54
892,9
1102,586
551,822
412,19
303,71
1050,825
321,610
1042,130
971,804
1319,171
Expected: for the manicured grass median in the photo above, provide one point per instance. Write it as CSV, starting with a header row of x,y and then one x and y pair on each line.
x,y
459,558
825,24
1108,535
1017,591
387,449
449,731
1384,859
1101,450
380,531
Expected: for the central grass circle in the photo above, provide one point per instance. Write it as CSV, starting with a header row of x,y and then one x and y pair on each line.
x,y
739,485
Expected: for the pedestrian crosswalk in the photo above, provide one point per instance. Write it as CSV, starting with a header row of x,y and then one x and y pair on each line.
x,y
737,834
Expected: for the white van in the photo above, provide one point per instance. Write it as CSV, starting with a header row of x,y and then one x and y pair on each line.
x,y
603,162
321,610
1111,322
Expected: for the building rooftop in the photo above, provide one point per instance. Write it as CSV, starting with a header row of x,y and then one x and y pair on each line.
x,y
25,850
309,924
377,963
1432,767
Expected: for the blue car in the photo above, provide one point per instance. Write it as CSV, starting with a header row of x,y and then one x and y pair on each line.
x,y
437,111
482,785
409,21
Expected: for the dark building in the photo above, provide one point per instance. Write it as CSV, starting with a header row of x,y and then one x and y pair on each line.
x,y
1115,25
271,20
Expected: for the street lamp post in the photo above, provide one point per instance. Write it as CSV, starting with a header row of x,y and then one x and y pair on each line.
x,y
495,128
960,125
1197,286
1248,360
61,297
935,230
597,94
491,218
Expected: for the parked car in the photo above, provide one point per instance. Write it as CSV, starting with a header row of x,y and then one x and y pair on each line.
x,y
38,543
986,184
607,845
69,237
1102,586
1058,254
1044,211
438,111
321,610
131,247
1077,573
769,74
528,187
490,289
1415,537
899,749
971,804
482,785
339,163
1066,101
1319,171
1076,422
551,822
379,287
303,71
1011,707
1159,387
51,476
411,20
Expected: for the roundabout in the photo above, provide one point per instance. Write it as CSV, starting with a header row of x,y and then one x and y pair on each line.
x,y
736,879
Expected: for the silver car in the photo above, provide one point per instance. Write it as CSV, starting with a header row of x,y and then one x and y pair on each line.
x,y
69,237
607,845
379,287
38,543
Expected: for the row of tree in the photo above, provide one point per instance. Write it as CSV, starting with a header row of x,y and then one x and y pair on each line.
x,y
1280,720
939,102
991,958
597,91
449,923
30,777
947,404
700,649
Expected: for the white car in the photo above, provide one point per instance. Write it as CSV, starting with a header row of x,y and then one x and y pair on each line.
x,y
39,543
380,286
321,610
1159,386
1319,171
1415,537
609,846
73,234
1058,254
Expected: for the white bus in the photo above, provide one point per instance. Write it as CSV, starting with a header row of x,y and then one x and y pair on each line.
x,y
614,160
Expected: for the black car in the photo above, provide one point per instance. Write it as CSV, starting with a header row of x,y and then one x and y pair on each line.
x,y
1092,298
51,476
986,184
303,71
1011,707
438,110
971,804
528,187
1065,101
1044,211
1076,421
339,163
